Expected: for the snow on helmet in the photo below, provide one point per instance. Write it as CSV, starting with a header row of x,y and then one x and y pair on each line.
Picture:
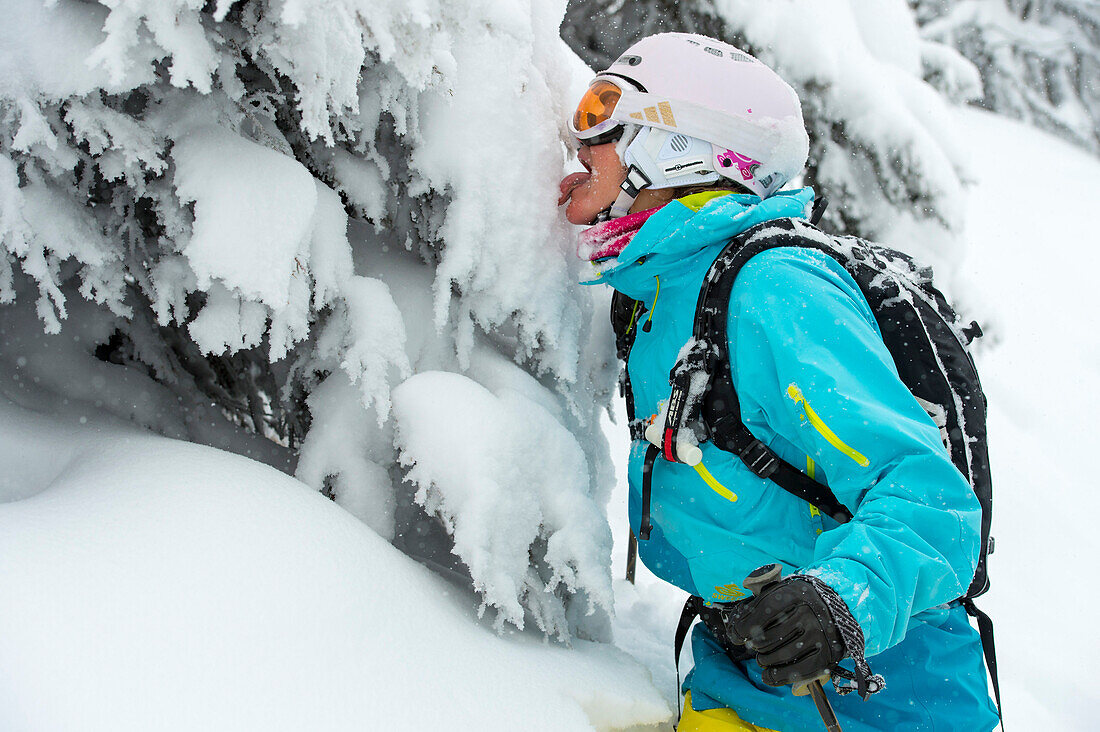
x,y
707,110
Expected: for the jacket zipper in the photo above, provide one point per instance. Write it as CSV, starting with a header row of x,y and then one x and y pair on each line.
x,y
819,424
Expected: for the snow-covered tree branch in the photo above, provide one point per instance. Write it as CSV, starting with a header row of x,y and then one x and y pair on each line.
x,y
264,215
1038,61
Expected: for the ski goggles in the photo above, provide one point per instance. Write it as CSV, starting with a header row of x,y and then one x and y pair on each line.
x,y
609,102
592,123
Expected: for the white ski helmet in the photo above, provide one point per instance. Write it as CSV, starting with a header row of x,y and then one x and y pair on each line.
x,y
706,109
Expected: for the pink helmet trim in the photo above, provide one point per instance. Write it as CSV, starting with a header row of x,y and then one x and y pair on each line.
x,y
746,165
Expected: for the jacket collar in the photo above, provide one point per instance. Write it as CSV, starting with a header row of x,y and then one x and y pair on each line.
x,y
685,236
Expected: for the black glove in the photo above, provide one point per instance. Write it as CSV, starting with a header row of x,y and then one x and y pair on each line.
x,y
791,630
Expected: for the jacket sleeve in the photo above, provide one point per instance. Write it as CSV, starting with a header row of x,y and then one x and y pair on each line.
x,y
810,366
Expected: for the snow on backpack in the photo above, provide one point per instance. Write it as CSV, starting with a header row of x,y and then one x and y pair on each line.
x,y
924,335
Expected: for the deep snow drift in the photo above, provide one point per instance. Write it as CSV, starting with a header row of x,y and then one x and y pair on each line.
x,y
1032,266
157,584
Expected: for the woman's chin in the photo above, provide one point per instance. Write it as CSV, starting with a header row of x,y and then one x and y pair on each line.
x,y
577,213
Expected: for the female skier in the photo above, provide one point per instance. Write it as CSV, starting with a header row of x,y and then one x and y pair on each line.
x,y
687,142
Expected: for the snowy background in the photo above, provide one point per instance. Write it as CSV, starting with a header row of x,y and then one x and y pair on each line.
x,y
305,424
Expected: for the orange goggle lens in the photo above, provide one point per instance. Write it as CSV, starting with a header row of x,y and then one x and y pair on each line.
x,y
596,105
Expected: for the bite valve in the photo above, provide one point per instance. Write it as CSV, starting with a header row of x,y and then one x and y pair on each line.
x,y
685,452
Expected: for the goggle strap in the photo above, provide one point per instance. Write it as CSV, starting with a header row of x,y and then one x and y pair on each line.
x,y
757,137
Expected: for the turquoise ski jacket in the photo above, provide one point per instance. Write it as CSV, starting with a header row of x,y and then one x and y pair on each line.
x,y
817,386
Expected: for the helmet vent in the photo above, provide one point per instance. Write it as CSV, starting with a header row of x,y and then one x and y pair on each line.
x,y
679,143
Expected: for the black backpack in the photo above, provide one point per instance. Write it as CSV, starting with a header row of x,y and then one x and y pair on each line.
x,y
925,336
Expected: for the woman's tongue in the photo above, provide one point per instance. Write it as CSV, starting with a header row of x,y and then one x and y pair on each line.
x,y
569,182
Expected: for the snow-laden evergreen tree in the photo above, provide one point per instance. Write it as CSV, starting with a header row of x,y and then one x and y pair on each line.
x,y
882,147
244,223
1039,59
599,30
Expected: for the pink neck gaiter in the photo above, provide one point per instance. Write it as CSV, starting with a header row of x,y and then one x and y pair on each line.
x,y
608,238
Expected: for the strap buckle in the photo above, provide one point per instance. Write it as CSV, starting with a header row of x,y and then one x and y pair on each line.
x,y
760,459
635,181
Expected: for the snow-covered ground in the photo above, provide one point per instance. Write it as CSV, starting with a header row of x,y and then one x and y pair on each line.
x,y
1033,261
154,584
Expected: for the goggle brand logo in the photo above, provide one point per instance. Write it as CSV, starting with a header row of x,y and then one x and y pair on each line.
x,y
661,113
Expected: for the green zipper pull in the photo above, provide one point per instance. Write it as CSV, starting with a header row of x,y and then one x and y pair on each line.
x,y
633,317
649,321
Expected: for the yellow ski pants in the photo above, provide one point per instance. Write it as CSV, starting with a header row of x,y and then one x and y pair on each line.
x,y
713,720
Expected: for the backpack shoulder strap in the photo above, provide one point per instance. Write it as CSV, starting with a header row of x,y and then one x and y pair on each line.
x,y
721,409
722,415
626,313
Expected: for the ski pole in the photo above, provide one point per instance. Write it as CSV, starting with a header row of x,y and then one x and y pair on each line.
x,y
824,708
631,557
756,583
